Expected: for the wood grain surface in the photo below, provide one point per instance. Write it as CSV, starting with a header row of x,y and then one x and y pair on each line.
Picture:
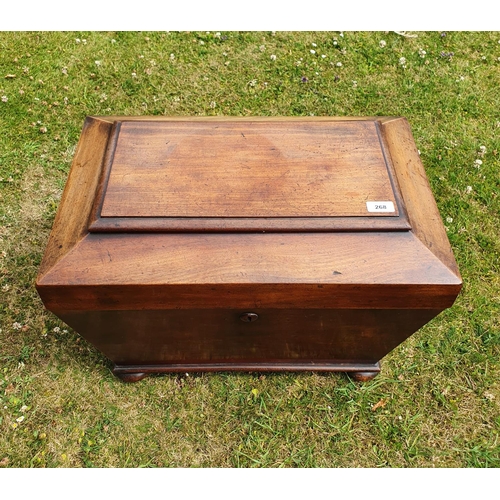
x,y
237,270
419,201
155,293
250,169
71,222
219,336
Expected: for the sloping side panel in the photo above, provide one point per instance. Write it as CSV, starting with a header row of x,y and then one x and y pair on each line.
x,y
71,221
421,206
375,270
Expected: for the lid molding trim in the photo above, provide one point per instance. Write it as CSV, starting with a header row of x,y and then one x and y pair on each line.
x,y
125,221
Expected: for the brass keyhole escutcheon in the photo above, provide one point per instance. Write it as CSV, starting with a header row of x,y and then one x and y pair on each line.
x,y
249,317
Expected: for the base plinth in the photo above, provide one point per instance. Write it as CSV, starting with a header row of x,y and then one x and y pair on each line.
x,y
361,372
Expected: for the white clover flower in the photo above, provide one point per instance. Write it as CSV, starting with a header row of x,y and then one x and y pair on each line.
x,y
17,326
97,63
354,84
5,98
172,57
402,61
478,163
20,419
273,57
482,150
202,42
84,41
24,408
323,56
339,64
213,104
449,220
422,53
77,40
217,35
262,48
313,44
313,51
382,44
468,190
56,329
113,40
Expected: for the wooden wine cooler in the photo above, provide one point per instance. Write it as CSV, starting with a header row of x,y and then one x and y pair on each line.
x,y
262,244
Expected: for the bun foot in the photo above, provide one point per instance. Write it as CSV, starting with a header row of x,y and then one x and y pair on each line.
x,y
363,376
131,377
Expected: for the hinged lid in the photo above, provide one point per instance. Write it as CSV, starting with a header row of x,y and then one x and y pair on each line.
x,y
273,175
317,267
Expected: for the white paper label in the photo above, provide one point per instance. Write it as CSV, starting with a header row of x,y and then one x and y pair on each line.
x,y
380,206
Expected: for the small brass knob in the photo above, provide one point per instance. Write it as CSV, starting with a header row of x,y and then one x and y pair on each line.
x,y
249,317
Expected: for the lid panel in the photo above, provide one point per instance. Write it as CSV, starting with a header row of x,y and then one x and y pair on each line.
x,y
248,169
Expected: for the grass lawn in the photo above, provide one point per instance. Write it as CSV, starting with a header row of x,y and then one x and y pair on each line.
x,y
436,402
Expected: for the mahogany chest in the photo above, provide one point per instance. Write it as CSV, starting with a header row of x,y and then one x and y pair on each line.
x,y
261,244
